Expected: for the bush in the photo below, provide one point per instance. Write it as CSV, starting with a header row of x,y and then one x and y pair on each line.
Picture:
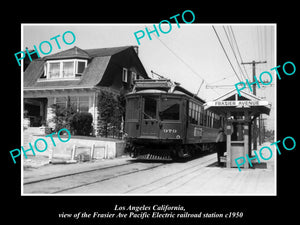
x,y
81,123
111,110
63,116
78,123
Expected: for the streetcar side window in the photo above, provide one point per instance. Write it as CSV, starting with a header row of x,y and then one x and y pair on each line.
x,y
195,114
198,114
201,116
190,112
208,119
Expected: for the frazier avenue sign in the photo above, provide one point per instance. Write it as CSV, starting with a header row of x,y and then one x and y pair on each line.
x,y
245,103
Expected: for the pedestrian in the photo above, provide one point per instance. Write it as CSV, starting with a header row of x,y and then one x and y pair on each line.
x,y
220,144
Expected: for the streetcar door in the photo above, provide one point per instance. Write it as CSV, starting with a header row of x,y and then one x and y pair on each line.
x,y
132,127
149,126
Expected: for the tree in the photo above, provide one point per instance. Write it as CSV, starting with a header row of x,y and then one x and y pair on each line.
x,y
111,110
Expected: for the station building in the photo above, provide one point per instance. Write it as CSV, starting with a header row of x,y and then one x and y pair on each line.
x,y
240,112
78,75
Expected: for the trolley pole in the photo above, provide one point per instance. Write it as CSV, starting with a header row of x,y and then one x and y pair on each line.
x,y
253,63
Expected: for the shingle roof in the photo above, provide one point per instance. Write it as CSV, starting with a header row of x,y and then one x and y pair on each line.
x,y
98,61
74,52
91,76
105,51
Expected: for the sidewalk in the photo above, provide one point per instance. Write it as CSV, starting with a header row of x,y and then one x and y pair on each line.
x,y
270,165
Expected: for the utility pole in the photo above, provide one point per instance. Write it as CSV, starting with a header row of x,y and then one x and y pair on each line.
x,y
253,63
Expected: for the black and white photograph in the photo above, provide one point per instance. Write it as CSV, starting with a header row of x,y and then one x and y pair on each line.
x,y
150,116
188,112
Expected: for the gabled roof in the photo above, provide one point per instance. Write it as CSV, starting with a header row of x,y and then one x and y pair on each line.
x,y
99,60
233,94
74,52
231,101
99,52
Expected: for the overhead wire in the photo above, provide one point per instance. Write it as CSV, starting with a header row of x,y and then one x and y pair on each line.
x,y
225,53
239,53
233,51
187,65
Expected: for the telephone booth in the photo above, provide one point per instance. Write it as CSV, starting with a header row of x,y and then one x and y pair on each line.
x,y
240,112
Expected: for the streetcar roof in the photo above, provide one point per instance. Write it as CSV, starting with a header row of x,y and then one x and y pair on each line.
x,y
162,86
157,91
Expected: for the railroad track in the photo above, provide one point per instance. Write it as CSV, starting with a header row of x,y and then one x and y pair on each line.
x,y
180,178
62,183
74,173
174,172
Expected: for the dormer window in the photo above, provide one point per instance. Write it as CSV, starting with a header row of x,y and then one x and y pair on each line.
x,y
64,69
54,70
68,69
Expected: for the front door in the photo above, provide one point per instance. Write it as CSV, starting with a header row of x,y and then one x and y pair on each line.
x,y
150,125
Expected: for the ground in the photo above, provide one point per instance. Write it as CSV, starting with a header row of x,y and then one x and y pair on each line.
x,y
199,176
127,176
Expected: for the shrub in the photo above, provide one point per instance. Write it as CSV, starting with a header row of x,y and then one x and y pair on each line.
x,y
111,111
78,123
81,123
63,116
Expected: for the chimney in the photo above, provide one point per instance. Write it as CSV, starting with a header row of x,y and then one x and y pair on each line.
x,y
136,49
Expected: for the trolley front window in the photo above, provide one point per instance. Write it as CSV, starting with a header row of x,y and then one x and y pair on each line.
x,y
150,106
169,110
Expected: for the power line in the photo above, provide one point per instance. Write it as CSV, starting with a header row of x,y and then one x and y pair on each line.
x,y
239,53
178,57
232,48
225,53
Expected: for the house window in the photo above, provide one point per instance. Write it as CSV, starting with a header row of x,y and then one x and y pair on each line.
x,y
78,103
61,102
133,77
83,104
125,75
80,67
54,70
44,75
74,102
64,69
68,69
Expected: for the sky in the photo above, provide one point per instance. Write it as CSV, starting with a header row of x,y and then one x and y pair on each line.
x,y
191,55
